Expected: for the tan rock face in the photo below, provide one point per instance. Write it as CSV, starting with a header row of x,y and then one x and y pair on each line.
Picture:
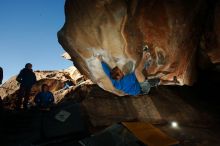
x,y
118,30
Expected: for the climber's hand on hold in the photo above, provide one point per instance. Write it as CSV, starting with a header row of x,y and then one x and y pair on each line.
x,y
99,57
145,55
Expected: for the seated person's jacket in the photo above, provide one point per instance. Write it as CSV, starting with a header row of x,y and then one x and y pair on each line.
x,y
44,99
128,84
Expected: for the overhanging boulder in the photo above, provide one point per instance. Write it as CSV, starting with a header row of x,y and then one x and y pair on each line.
x,y
118,30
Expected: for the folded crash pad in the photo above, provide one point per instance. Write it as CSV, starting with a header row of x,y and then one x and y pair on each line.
x,y
115,135
149,134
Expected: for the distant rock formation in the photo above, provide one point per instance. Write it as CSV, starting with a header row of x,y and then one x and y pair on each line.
x,y
175,31
55,80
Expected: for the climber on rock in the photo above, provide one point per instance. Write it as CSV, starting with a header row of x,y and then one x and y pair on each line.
x,y
133,83
44,99
27,79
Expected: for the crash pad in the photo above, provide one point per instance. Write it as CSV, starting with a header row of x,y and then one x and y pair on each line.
x,y
149,134
115,135
64,120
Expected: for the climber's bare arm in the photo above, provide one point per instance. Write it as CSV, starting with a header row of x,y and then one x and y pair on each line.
x,y
139,70
145,56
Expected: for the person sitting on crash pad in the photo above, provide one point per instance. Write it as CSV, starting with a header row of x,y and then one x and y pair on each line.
x,y
133,83
45,98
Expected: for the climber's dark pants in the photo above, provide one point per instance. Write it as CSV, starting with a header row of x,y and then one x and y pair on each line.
x,y
148,84
24,92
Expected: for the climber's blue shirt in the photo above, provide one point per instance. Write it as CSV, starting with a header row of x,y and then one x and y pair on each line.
x,y
44,99
128,83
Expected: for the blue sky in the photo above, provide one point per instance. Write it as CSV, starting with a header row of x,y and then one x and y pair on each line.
x,y
28,33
